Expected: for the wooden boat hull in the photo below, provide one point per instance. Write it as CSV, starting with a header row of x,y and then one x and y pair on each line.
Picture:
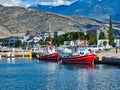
x,y
53,57
87,59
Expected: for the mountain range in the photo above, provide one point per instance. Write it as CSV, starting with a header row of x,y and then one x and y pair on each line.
x,y
16,21
101,10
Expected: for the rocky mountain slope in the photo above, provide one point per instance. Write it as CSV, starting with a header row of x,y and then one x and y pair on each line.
x,y
97,9
17,21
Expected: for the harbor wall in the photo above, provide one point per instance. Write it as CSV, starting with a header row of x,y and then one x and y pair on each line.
x,y
16,54
108,57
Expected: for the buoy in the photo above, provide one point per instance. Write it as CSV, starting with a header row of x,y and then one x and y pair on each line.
x,y
30,55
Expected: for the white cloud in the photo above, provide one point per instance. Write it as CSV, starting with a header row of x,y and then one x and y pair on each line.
x,y
13,3
55,2
27,3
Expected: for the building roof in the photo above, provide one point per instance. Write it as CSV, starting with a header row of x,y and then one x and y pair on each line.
x,y
83,45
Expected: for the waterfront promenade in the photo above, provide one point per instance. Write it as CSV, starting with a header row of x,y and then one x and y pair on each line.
x,y
18,52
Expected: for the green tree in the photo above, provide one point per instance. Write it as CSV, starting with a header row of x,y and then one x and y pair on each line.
x,y
72,34
67,36
111,37
60,40
49,40
81,36
102,35
105,43
91,38
41,42
24,44
18,43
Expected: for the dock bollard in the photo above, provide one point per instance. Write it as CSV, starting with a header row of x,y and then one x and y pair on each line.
x,y
0,57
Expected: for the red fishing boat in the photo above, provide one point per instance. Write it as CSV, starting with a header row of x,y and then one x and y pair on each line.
x,y
82,55
54,56
86,59
49,53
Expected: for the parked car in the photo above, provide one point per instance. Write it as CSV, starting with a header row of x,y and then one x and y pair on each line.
x,y
95,48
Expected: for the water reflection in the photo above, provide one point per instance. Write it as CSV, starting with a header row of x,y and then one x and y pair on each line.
x,y
27,74
8,60
11,60
68,76
79,66
52,67
106,67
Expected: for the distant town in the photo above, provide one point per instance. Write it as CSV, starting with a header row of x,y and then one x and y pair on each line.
x,y
100,35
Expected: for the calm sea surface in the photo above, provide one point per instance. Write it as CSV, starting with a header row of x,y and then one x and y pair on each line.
x,y
25,74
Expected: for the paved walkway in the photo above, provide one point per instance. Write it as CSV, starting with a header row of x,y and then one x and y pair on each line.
x,y
110,53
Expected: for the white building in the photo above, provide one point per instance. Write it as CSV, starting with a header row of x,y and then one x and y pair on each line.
x,y
72,43
33,41
24,38
117,42
58,33
101,43
44,35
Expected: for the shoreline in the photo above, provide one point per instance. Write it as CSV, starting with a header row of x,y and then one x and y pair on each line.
x,y
105,57
16,54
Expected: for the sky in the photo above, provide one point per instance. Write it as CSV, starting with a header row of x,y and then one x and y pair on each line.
x,y
27,3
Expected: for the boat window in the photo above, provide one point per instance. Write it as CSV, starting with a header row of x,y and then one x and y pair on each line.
x,y
82,49
94,46
81,53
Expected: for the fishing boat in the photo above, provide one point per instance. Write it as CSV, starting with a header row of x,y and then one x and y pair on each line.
x,y
81,56
55,56
49,53
86,59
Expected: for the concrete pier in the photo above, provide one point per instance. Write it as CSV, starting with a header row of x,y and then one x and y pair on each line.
x,y
108,57
17,54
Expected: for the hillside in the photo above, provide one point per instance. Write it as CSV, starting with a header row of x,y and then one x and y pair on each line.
x,y
96,9
17,20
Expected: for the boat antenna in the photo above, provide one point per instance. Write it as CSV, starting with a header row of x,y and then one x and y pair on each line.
x,y
50,33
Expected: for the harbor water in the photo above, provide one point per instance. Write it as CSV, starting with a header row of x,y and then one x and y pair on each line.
x,y
25,74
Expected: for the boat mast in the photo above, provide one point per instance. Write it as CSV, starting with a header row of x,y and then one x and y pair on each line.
x,y
50,33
